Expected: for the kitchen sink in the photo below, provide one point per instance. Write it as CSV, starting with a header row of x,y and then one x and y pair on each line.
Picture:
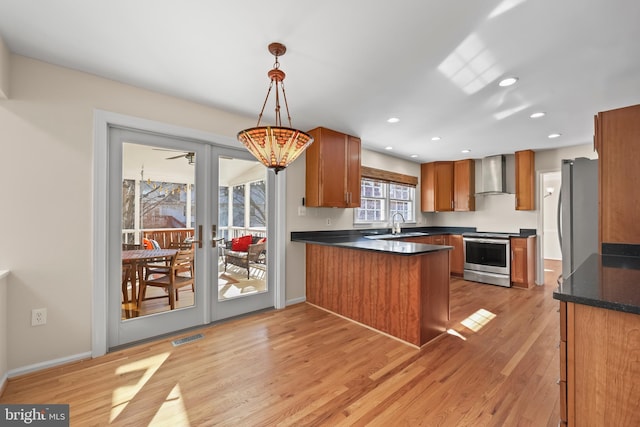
x,y
397,235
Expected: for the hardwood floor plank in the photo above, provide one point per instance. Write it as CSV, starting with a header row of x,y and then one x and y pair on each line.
x,y
305,366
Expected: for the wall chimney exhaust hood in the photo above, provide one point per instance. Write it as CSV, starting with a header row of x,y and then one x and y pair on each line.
x,y
494,175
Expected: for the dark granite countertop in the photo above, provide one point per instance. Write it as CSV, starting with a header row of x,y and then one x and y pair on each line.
x,y
605,281
381,240
354,239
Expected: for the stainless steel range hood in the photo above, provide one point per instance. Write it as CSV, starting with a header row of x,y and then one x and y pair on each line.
x,y
494,175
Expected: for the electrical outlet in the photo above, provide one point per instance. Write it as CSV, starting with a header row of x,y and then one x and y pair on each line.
x,y
38,316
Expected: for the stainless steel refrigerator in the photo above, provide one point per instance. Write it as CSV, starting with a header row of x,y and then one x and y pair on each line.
x,y
578,212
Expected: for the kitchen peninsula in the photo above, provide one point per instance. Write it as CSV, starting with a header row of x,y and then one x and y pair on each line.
x,y
398,287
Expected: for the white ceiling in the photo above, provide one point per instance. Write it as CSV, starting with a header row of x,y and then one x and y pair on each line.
x,y
352,64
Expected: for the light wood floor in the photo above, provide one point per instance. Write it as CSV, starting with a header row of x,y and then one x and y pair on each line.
x,y
304,367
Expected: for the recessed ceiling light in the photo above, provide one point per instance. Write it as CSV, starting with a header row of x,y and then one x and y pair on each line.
x,y
414,156
538,115
554,135
436,138
466,150
388,148
393,120
508,81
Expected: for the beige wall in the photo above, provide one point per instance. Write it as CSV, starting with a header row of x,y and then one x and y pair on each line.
x,y
46,216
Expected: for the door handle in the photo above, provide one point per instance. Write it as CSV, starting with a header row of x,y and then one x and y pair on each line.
x,y
214,228
199,237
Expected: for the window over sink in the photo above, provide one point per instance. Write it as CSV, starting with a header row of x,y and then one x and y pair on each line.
x,y
380,200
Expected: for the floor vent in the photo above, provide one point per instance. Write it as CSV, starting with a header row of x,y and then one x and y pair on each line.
x,y
186,340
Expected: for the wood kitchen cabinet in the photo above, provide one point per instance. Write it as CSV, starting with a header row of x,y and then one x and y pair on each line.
x,y
598,366
525,185
333,171
523,261
617,136
464,185
436,180
457,254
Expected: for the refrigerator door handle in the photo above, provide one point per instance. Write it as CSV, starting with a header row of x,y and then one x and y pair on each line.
x,y
560,217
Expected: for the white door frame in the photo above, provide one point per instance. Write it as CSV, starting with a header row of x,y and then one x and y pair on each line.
x,y
541,236
102,121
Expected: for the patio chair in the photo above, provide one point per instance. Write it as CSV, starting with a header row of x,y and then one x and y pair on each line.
x,y
177,275
254,254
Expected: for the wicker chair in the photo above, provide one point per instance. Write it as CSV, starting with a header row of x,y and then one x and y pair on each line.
x,y
254,254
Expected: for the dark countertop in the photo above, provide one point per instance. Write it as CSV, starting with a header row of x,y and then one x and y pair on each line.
x,y
605,281
380,240
359,241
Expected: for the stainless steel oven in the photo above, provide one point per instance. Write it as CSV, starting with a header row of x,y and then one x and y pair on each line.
x,y
487,258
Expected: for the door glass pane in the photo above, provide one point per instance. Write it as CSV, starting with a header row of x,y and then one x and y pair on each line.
x,y
158,217
243,224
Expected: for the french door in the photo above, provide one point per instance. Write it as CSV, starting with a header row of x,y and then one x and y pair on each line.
x,y
169,194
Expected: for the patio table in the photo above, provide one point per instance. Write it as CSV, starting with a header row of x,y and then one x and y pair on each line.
x,y
136,258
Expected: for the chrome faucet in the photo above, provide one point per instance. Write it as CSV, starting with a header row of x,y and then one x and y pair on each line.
x,y
396,225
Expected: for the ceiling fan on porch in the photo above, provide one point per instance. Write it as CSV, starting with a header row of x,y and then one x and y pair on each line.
x,y
189,156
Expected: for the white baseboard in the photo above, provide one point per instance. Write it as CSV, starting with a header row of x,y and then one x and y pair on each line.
x,y
3,383
48,364
296,301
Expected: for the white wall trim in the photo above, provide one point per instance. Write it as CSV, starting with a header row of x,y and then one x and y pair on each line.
x,y
540,225
48,364
281,228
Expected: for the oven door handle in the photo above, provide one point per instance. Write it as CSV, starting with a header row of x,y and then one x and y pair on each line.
x,y
496,241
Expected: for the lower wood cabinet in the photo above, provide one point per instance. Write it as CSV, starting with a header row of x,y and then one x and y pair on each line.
x,y
599,373
457,255
523,261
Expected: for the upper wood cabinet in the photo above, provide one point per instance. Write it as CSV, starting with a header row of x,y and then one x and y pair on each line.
x,y
436,187
448,186
464,185
617,139
525,171
333,170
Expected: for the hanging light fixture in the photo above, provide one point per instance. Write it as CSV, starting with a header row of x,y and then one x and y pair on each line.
x,y
275,146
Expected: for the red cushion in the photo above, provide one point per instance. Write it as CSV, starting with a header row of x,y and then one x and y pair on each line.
x,y
241,243
147,243
264,239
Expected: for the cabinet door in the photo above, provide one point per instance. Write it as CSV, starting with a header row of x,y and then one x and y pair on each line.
x,y
618,136
525,170
444,186
518,261
436,187
354,173
523,261
464,183
333,170
427,187
457,254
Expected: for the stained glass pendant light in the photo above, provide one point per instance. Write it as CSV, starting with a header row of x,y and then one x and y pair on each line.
x,y
275,146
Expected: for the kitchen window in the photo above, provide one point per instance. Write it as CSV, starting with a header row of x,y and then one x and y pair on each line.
x,y
379,200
